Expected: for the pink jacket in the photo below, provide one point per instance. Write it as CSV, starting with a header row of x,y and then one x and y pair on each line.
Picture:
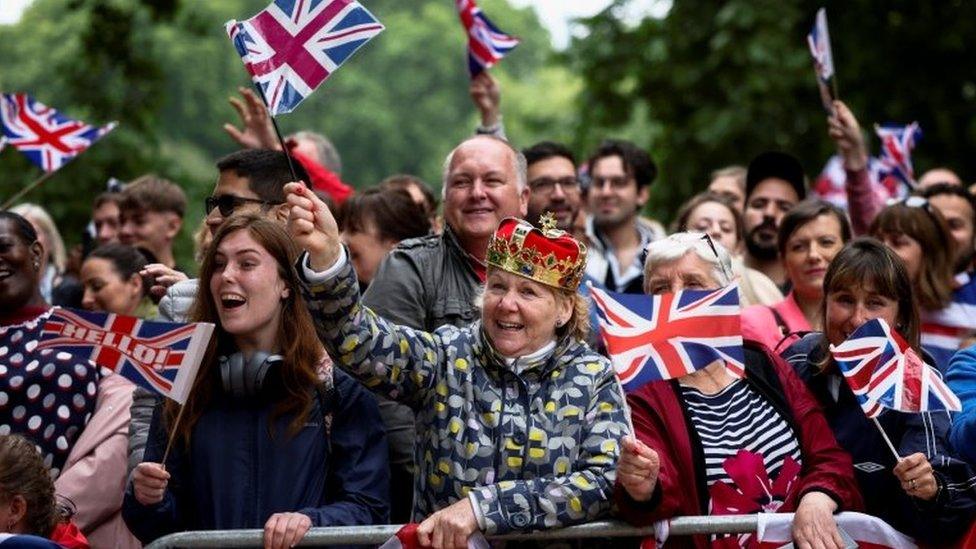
x,y
759,323
94,475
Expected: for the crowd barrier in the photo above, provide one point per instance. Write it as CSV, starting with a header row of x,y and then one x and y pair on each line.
x,y
367,535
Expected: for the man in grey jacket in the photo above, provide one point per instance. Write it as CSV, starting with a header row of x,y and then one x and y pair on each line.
x,y
249,180
427,282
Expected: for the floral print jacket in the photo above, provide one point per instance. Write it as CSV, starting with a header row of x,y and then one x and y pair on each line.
x,y
534,445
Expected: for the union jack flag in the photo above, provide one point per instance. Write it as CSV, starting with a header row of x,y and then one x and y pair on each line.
x,y
487,44
162,357
666,336
819,42
897,143
883,371
45,136
292,46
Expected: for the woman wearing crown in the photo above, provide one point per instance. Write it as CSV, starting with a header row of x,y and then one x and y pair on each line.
x,y
517,419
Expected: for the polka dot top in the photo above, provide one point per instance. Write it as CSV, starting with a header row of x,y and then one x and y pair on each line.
x,y
46,395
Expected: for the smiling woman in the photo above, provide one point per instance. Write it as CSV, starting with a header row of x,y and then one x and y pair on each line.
x,y
264,402
517,419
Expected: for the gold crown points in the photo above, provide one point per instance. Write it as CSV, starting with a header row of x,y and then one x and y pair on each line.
x,y
511,256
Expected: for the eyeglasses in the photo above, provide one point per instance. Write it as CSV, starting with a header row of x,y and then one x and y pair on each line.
x,y
916,201
546,185
618,182
227,203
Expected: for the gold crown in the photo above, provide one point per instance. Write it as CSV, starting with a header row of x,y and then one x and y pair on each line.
x,y
547,255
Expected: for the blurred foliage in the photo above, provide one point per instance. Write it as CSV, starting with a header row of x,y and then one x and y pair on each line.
x,y
165,71
715,83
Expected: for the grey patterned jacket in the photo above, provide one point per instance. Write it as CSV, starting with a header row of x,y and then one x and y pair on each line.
x,y
533,445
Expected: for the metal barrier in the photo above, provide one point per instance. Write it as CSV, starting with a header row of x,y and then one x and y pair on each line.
x,y
366,535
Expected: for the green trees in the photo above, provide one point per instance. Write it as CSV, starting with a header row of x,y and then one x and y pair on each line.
x,y
715,83
166,70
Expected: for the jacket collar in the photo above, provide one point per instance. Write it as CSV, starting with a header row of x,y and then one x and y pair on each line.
x,y
565,351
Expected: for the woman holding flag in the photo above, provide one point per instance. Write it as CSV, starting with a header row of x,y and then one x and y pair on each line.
x,y
723,441
924,491
270,435
517,419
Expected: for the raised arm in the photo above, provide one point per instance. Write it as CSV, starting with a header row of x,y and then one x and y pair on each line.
x,y
391,360
863,203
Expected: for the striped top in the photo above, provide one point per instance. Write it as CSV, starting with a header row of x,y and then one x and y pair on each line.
x,y
739,418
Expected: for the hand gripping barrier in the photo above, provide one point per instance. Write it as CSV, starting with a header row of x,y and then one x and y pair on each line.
x,y
366,535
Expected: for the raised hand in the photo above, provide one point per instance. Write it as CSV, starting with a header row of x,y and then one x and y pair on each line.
x,y
258,132
162,277
843,128
638,468
311,225
487,97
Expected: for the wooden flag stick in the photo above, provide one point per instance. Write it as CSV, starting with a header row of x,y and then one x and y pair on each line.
x,y
172,434
886,439
281,140
36,183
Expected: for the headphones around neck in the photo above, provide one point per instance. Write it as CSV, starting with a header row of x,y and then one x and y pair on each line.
x,y
245,378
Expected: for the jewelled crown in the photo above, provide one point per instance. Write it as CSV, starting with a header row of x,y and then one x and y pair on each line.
x,y
547,255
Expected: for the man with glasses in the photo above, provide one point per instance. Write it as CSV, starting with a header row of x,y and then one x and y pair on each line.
x,y
620,175
553,185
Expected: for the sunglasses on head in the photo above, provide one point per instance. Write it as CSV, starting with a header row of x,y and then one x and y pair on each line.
x,y
227,203
711,244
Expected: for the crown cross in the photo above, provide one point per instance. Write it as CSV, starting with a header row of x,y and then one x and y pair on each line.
x,y
547,222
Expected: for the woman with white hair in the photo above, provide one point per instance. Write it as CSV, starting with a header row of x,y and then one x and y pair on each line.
x,y
712,443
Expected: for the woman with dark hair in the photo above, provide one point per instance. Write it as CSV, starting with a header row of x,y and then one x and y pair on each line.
x,y
716,215
810,235
27,501
373,222
270,435
55,415
919,235
111,275
927,493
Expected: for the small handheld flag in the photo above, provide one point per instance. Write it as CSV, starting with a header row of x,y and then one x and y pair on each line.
x,y
46,137
291,47
650,338
823,60
487,44
883,371
162,357
897,143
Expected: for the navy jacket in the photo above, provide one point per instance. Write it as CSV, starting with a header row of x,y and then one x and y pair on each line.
x,y
939,521
236,476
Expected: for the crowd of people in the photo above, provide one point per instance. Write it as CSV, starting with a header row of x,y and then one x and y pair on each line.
x,y
384,356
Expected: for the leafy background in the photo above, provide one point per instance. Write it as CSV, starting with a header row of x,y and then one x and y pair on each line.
x,y
709,84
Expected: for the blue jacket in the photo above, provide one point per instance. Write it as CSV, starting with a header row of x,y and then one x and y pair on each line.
x,y
234,475
939,521
962,380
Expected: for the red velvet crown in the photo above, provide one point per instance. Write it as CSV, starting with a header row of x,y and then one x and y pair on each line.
x,y
546,255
